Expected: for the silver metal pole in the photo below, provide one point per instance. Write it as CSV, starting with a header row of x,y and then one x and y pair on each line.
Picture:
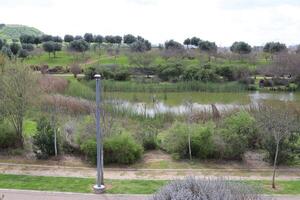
x,y
99,187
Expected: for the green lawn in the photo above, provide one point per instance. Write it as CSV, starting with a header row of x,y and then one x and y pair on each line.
x,y
84,185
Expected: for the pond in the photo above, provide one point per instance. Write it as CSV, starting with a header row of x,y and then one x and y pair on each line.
x,y
154,103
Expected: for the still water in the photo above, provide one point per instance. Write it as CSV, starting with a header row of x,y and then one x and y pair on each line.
x,y
154,103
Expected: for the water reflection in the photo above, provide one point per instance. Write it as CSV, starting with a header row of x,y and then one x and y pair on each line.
x,y
151,109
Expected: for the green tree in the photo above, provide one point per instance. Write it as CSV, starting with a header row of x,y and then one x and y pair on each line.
x,y
28,39
79,46
195,41
171,44
68,38
274,47
240,48
129,39
88,37
14,47
187,42
52,47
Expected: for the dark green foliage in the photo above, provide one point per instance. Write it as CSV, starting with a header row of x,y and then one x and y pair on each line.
x,y
107,72
99,39
43,140
207,46
52,47
122,149
129,39
171,71
28,39
175,140
78,37
57,39
288,148
274,47
23,53
1,43
241,48
187,42
147,135
6,51
14,47
171,44
79,46
119,149
239,134
140,46
28,47
46,38
68,38
89,148
88,37
113,39
227,72
37,40
8,136
195,41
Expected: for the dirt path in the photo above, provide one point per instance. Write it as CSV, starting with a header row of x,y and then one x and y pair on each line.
x,y
38,195
147,174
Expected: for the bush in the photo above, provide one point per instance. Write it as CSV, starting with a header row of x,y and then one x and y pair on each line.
x,y
175,140
8,137
147,135
194,189
239,133
43,140
118,149
121,149
89,148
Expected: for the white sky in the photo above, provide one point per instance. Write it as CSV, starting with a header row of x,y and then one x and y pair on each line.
x,y
222,21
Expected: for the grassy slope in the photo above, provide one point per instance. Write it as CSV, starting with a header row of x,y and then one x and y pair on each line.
x,y
84,185
10,32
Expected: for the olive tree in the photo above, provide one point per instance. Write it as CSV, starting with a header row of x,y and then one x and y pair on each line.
x,y
278,125
17,92
68,38
241,48
274,47
187,42
129,39
52,47
79,46
89,37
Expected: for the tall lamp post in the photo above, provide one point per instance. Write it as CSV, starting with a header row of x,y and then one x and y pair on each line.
x,y
99,187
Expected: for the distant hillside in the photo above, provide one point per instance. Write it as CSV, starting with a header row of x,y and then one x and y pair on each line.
x,y
10,31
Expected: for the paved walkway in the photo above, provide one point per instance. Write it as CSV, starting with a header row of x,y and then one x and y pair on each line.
x,y
38,195
162,174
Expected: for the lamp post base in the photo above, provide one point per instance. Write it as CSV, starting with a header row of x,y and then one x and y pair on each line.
x,y
99,190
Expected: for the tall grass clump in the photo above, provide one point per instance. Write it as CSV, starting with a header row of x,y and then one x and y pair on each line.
x,y
131,86
79,89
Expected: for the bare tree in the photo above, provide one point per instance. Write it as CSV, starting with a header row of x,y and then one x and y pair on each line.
x,y
279,124
17,92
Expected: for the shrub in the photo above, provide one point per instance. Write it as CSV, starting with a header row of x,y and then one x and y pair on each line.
x,y
175,140
119,149
240,133
194,189
89,148
43,140
147,135
8,137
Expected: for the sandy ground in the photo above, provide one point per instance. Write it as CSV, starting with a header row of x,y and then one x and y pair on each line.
x,y
153,174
